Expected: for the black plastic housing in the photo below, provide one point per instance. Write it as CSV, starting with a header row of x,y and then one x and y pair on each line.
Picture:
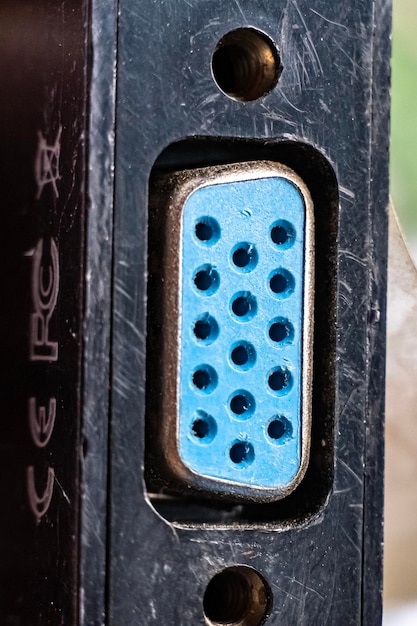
x,y
99,95
320,551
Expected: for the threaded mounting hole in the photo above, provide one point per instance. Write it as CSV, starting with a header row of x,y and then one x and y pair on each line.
x,y
246,64
237,595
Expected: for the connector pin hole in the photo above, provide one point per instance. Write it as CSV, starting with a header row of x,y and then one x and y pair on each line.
x,y
206,329
281,331
237,595
243,355
204,427
279,380
279,429
242,404
245,256
240,355
241,306
201,429
204,378
206,279
207,230
281,283
244,305
283,234
242,453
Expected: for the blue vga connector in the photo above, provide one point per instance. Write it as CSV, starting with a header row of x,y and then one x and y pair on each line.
x,y
236,287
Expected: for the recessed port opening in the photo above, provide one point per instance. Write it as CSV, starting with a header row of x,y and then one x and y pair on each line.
x,y
246,64
237,596
310,496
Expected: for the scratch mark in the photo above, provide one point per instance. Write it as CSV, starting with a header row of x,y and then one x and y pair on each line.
x,y
310,47
304,586
62,489
346,404
212,543
290,103
211,98
118,388
123,292
213,22
326,19
303,72
347,192
287,593
338,492
352,257
324,106
276,117
355,66
129,324
350,471
351,541
346,286
124,382
237,3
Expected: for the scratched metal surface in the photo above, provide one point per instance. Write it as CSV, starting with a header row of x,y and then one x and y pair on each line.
x,y
332,95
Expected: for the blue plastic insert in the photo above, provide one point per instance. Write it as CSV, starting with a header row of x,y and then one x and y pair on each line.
x,y
241,325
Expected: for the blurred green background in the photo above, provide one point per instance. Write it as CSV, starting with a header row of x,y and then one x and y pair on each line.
x,y
404,118
400,583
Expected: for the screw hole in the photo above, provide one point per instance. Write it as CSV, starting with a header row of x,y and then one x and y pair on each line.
x,y
246,64
237,595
